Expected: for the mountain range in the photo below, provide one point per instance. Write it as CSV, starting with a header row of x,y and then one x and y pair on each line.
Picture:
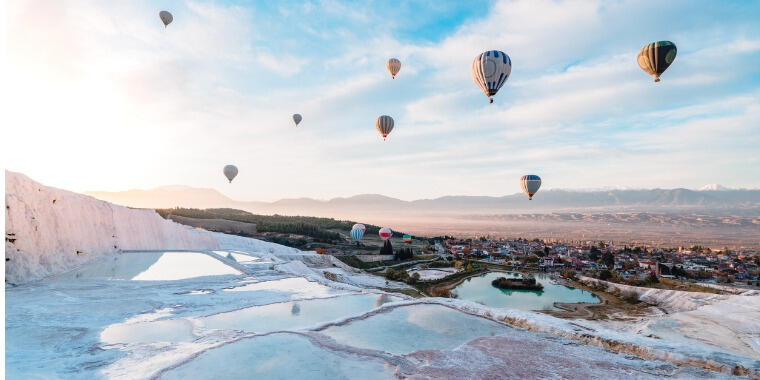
x,y
714,200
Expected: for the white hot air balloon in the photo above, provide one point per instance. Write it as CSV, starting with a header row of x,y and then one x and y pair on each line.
x,y
530,184
166,18
297,118
230,171
384,125
393,65
490,70
385,233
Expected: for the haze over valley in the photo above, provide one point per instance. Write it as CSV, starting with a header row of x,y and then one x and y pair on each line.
x,y
656,216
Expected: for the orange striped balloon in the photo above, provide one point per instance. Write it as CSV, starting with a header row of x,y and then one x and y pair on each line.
x,y
393,65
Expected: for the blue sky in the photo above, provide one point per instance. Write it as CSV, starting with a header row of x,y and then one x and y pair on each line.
x,y
102,97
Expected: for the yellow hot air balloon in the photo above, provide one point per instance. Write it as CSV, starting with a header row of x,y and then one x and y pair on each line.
x,y
656,57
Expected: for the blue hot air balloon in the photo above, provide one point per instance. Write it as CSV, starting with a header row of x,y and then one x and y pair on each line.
x,y
357,234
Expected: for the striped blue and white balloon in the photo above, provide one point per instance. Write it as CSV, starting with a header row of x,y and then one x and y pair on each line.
x,y
490,70
530,184
357,234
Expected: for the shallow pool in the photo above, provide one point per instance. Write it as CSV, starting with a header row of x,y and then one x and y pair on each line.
x,y
151,266
416,327
479,289
295,315
279,356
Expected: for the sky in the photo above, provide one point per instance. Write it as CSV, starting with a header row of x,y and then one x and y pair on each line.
x,y
100,96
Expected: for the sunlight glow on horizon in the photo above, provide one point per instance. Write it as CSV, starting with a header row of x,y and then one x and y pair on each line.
x,y
101,97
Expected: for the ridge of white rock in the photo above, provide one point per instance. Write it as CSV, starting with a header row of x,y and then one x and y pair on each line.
x,y
50,231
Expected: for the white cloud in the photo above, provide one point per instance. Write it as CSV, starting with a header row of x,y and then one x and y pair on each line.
x,y
113,92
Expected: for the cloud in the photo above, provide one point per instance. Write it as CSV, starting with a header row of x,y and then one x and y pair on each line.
x,y
114,92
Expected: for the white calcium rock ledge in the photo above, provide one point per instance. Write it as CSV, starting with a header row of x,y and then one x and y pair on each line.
x,y
50,231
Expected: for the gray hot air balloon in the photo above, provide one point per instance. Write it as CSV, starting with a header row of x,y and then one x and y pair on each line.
x,y
297,118
230,171
384,125
165,17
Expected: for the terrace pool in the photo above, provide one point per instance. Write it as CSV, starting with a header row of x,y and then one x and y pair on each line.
x,y
479,289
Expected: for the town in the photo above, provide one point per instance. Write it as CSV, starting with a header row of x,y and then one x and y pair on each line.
x,y
612,261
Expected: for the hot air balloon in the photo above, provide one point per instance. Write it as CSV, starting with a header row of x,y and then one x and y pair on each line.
x,y
384,125
490,70
393,65
656,57
530,184
360,226
385,233
357,234
230,171
297,118
407,239
165,17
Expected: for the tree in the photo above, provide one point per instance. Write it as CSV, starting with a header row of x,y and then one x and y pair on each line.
x,y
608,259
605,275
387,248
594,253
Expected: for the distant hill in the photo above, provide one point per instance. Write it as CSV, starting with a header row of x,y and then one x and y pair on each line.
x,y
659,200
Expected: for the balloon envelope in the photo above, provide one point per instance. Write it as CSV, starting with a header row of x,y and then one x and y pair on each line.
x,y
357,234
360,226
230,171
385,233
165,17
407,238
393,65
530,184
297,118
656,57
490,70
384,125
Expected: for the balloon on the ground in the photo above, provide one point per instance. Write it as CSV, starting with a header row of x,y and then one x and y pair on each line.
x,y
530,184
656,57
165,17
490,70
385,233
384,125
360,226
297,118
407,239
393,65
357,234
230,171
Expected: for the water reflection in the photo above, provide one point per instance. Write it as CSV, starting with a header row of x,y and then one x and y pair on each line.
x,y
152,266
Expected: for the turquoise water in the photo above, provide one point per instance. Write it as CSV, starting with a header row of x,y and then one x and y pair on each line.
x,y
479,289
